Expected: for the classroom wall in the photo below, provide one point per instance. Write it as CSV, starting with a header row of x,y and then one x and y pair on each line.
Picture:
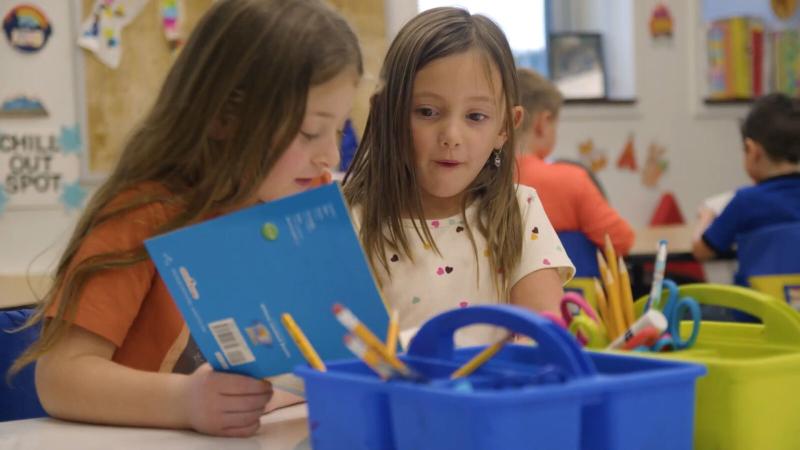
x,y
703,146
33,238
704,149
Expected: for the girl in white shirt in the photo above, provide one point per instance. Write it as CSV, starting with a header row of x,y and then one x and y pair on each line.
x,y
431,185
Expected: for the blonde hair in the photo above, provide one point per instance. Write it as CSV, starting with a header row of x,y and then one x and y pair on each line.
x,y
536,94
248,62
382,179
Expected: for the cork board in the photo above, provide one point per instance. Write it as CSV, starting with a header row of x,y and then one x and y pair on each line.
x,y
117,99
368,20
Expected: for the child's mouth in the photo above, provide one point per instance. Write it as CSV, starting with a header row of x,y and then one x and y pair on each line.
x,y
447,163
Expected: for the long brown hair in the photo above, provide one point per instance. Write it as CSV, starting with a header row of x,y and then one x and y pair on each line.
x,y
382,179
248,62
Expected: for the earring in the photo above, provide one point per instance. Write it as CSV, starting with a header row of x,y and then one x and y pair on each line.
x,y
497,158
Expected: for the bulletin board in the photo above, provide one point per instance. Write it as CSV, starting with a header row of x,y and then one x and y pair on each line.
x,y
116,99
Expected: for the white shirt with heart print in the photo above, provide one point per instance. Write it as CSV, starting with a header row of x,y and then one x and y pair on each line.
x,y
433,284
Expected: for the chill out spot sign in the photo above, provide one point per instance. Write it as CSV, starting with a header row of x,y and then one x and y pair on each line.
x,y
34,168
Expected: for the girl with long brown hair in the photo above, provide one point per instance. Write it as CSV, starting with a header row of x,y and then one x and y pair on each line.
x,y
251,111
431,185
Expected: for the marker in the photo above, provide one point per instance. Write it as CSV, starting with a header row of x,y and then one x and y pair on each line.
x,y
646,337
479,359
370,357
654,299
353,325
653,318
302,342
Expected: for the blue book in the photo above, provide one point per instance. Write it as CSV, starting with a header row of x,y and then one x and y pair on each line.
x,y
233,277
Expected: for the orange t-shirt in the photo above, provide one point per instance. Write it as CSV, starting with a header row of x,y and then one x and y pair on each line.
x,y
573,202
131,306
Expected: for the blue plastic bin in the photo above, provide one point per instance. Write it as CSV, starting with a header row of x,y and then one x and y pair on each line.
x,y
573,399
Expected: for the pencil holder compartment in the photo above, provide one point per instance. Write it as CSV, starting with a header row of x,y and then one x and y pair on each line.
x,y
536,399
752,368
552,395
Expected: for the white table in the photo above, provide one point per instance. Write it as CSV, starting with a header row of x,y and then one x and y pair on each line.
x,y
284,429
22,290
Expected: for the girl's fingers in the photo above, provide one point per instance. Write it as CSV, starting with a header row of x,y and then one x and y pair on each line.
x,y
236,420
243,403
244,431
233,384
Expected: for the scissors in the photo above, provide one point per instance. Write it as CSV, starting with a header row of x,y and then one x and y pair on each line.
x,y
674,310
582,321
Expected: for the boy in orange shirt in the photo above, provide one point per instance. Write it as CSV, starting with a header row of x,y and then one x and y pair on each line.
x,y
570,198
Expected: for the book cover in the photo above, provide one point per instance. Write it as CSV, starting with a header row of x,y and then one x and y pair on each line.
x,y
233,277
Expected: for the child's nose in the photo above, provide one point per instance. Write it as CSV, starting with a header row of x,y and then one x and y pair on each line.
x,y
328,154
450,135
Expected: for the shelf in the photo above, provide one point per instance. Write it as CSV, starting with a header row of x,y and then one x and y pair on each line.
x,y
600,101
728,101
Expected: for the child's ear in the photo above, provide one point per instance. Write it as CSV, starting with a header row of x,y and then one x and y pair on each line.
x,y
755,151
517,115
541,121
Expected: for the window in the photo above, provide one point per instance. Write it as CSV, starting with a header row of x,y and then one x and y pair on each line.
x,y
524,24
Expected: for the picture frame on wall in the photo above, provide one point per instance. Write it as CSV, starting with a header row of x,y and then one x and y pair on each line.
x,y
577,65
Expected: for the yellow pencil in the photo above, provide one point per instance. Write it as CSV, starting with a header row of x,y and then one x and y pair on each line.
x,y
602,307
391,333
302,342
353,325
618,320
370,357
610,318
611,258
615,305
479,359
627,293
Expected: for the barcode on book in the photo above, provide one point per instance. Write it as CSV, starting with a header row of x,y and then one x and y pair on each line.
x,y
230,340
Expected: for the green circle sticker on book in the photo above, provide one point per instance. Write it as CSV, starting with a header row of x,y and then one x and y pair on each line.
x,y
269,231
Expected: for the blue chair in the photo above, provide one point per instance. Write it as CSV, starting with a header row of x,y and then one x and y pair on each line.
x,y
17,400
583,254
769,261
348,145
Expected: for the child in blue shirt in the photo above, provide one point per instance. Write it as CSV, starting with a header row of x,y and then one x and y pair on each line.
x,y
771,134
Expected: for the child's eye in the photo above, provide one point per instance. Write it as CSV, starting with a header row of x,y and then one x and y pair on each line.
x,y
477,117
425,111
309,136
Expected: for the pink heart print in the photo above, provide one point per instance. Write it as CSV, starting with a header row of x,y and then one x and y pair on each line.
x,y
440,271
546,262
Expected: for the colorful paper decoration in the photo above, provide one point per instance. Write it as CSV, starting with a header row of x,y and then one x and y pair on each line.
x,y
655,165
667,211
70,140
661,23
27,28
72,196
593,158
784,9
101,32
171,18
22,106
627,159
